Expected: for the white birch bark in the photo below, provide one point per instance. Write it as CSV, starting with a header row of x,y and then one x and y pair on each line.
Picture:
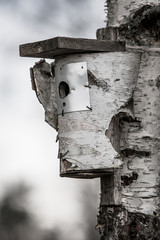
x,y
138,216
82,134
143,194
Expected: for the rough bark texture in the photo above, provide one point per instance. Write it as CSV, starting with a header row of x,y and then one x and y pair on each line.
x,y
138,215
83,135
118,223
119,11
43,83
141,28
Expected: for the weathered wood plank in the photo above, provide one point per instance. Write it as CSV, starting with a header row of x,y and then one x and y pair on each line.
x,y
111,189
89,173
57,46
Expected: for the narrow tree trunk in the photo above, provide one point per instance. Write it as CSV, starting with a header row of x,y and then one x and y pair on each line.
x,y
137,139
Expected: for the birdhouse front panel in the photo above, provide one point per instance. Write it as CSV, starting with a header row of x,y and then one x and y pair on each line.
x,y
71,85
92,89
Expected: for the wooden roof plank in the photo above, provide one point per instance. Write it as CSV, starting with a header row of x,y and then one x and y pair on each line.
x,y
58,46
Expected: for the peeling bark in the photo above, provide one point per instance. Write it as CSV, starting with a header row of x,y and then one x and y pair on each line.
x,y
43,83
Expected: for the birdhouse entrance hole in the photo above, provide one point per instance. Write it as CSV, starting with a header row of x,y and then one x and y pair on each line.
x,y
63,90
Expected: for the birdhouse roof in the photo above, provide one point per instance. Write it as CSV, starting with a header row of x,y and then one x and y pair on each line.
x,y
58,46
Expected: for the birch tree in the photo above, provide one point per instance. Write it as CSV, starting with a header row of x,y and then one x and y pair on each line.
x,y
136,138
117,138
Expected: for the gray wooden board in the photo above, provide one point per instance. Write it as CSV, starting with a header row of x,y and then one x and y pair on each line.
x,y
57,46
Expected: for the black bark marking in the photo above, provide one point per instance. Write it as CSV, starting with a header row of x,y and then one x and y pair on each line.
x,y
126,180
143,28
158,82
131,152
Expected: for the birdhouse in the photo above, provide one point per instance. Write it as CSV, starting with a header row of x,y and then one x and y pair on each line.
x,y
85,92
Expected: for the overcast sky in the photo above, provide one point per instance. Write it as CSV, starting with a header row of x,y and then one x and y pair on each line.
x,y
28,151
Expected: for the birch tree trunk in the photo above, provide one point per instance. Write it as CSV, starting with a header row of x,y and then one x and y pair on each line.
x,y
137,138
118,137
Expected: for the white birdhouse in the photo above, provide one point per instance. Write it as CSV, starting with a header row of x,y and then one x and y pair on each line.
x,y
92,81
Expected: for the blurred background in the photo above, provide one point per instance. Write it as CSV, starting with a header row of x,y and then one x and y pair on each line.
x,y
35,203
